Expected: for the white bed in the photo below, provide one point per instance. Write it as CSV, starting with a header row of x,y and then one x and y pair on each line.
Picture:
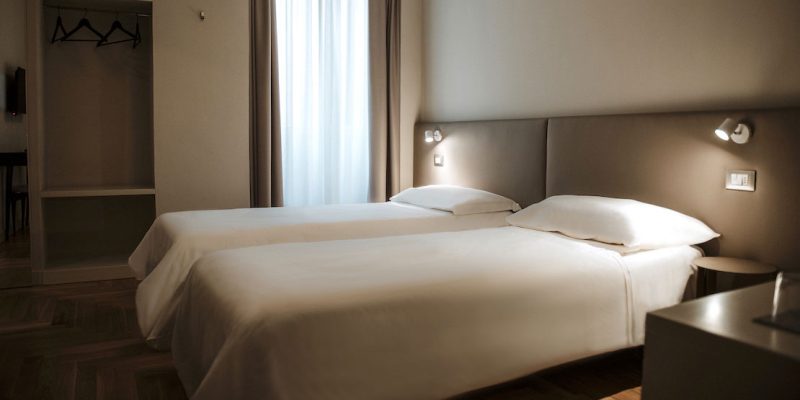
x,y
417,316
176,240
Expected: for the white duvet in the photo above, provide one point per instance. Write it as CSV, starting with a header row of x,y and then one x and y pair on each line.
x,y
410,317
176,240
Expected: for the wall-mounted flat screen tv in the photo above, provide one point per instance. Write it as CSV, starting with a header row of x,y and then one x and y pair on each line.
x,y
16,95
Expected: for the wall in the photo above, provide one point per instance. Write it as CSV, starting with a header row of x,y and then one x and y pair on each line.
x,y
201,100
488,59
12,55
98,110
410,84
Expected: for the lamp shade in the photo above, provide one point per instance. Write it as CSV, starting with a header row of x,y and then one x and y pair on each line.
x,y
725,130
433,136
739,132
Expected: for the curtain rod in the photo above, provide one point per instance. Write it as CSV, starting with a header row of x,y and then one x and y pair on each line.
x,y
102,10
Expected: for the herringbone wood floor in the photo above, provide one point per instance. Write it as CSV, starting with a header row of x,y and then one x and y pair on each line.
x,y
81,341
15,260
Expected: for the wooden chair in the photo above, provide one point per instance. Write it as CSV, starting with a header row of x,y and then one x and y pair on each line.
x,y
19,193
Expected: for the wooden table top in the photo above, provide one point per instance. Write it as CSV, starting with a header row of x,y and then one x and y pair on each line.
x,y
13,158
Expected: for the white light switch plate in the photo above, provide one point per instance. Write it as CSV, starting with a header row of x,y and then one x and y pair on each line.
x,y
438,160
740,180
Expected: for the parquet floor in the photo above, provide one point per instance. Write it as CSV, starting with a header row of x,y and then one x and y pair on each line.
x,y
15,260
81,341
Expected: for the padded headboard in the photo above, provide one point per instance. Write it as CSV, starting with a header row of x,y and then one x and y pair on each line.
x,y
673,160
676,161
503,157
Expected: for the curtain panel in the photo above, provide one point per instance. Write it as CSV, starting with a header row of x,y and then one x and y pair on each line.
x,y
323,57
266,188
384,64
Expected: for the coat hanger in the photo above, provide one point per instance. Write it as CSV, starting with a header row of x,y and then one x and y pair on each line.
x,y
136,38
83,23
59,27
138,33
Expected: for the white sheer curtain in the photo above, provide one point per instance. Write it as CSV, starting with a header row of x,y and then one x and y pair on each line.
x,y
324,100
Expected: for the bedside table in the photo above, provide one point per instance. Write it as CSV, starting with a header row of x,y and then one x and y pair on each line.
x,y
707,268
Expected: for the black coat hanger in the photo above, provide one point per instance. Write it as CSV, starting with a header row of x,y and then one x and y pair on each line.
x,y
59,27
83,23
117,26
138,34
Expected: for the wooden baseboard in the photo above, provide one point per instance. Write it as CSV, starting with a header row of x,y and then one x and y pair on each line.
x,y
81,274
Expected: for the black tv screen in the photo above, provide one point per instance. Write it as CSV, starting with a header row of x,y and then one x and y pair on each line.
x,y
17,98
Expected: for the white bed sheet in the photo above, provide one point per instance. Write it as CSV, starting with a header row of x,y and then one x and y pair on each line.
x,y
176,240
419,316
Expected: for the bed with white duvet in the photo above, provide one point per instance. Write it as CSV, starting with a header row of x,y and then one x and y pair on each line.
x,y
417,316
176,240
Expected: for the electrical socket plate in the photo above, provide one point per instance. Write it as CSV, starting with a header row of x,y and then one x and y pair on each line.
x,y
740,180
438,160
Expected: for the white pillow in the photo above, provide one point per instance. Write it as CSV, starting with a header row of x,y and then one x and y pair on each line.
x,y
456,199
618,221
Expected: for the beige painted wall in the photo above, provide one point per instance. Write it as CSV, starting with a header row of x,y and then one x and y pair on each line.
x,y
12,55
410,84
489,59
201,117
98,110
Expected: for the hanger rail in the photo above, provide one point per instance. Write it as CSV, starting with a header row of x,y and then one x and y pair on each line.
x,y
100,10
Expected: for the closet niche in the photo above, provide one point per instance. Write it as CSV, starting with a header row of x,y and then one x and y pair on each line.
x,y
96,144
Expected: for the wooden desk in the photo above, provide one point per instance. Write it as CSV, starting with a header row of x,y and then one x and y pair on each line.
x,y
710,348
9,161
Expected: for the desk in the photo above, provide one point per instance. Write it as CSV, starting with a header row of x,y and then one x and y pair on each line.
x,y
711,349
9,161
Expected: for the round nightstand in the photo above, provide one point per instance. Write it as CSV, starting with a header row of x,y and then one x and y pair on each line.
x,y
707,268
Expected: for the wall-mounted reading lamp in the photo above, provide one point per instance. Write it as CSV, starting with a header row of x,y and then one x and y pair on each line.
x,y
433,136
732,130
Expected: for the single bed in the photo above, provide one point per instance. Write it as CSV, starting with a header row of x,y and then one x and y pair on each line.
x,y
416,316
176,240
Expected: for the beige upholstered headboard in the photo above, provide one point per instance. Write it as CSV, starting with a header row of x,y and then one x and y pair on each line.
x,y
676,161
673,160
503,157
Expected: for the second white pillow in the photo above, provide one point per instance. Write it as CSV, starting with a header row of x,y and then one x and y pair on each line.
x,y
618,221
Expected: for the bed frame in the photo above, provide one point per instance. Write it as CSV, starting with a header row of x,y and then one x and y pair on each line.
x,y
673,160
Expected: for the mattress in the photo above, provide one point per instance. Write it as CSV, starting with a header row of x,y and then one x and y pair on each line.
x,y
176,240
418,316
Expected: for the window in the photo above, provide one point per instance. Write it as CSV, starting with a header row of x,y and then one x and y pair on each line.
x,y
323,70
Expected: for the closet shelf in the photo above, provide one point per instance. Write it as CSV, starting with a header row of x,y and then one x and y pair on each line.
x,y
61,192
91,269
120,260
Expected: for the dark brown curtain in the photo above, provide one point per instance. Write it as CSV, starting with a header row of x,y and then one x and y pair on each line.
x,y
384,64
266,188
